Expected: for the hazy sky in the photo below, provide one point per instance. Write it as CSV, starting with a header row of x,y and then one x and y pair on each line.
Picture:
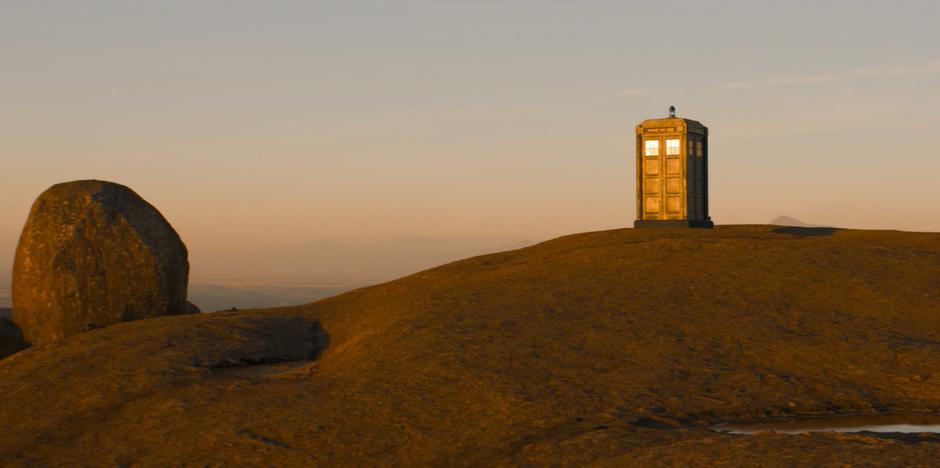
x,y
252,124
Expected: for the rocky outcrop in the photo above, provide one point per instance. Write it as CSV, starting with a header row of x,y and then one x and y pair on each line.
x,y
612,348
92,254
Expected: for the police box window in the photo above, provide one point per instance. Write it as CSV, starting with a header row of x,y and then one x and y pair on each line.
x,y
698,148
672,147
652,148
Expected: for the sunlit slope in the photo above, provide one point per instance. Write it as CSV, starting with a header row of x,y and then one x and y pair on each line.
x,y
606,347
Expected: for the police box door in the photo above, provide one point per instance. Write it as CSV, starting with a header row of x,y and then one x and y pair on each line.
x,y
662,177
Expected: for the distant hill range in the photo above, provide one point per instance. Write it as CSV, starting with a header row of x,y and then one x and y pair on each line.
x,y
333,263
612,348
783,220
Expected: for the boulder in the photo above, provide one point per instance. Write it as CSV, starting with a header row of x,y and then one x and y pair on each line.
x,y
11,340
92,254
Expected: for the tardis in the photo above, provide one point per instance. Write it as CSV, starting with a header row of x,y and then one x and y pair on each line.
x,y
672,173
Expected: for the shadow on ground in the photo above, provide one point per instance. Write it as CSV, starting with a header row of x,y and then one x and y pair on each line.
x,y
806,231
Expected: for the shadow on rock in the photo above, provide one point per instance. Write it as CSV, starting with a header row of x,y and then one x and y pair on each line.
x,y
806,231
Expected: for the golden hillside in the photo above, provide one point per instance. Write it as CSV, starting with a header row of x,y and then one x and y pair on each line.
x,y
618,347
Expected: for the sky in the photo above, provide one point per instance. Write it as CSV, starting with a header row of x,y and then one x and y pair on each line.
x,y
253,125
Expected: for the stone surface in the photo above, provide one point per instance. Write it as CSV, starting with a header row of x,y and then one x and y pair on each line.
x,y
616,348
92,254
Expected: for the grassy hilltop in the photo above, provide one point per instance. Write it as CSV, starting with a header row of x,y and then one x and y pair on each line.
x,y
617,347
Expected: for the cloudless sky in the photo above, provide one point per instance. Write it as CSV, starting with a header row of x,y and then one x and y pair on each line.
x,y
252,124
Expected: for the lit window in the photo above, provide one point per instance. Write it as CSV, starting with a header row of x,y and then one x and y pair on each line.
x,y
691,149
672,147
698,149
652,148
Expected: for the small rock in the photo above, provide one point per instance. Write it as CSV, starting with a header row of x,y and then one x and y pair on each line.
x,y
11,340
191,308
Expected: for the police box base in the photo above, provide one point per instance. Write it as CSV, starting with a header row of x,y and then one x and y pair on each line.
x,y
672,223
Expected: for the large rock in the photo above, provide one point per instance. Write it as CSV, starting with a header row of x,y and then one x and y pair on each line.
x,y
92,254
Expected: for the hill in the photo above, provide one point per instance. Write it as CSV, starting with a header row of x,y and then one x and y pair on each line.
x,y
784,220
614,348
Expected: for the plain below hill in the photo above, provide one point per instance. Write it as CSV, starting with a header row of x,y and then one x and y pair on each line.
x,y
615,348
213,297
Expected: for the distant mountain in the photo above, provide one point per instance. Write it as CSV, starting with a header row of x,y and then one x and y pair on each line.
x,y
788,221
350,263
